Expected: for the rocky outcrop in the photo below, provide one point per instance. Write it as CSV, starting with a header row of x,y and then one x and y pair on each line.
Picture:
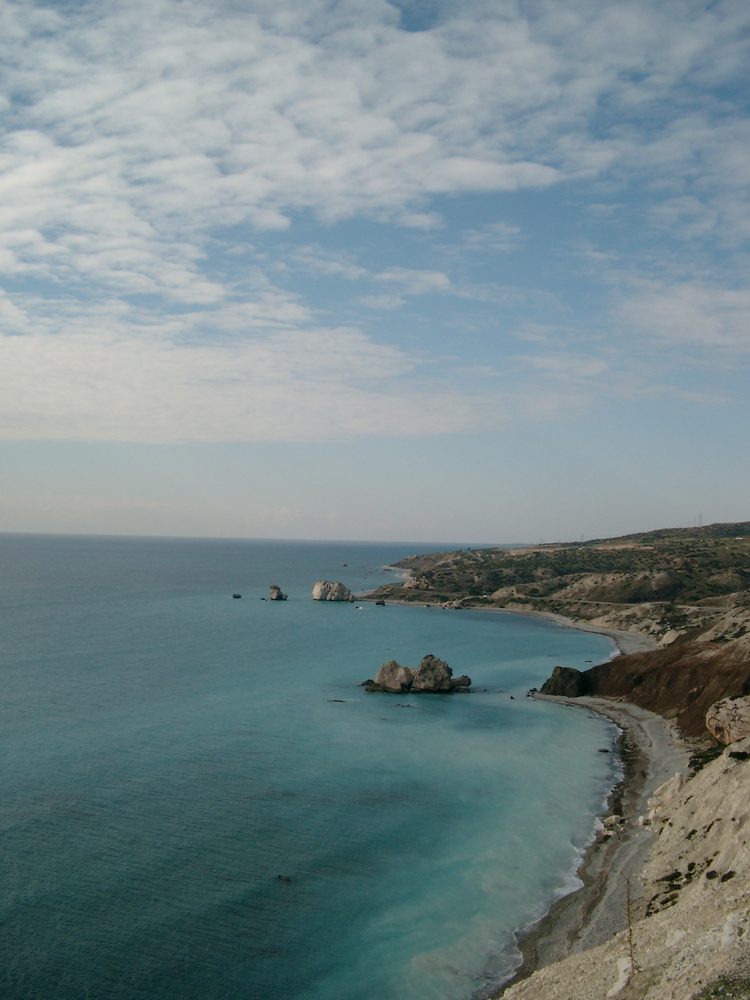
x,y
728,720
689,920
566,682
328,590
432,676
393,677
275,593
680,681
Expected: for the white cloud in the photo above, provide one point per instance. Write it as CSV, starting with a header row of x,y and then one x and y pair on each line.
x,y
387,302
711,318
416,282
238,118
495,237
567,366
327,262
317,384
142,140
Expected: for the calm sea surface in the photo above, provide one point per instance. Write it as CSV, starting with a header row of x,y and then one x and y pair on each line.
x,y
169,752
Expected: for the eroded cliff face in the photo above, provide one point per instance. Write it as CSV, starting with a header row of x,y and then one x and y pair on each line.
x,y
679,681
690,917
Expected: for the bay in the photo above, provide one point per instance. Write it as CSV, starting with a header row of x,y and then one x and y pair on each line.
x,y
200,801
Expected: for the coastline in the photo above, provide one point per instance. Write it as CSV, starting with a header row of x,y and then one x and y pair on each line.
x,y
625,641
651,752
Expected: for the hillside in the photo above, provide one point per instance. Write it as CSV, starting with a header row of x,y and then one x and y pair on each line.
x,y
687,588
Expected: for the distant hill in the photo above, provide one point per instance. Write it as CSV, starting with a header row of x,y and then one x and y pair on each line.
x,y
687,588
690,566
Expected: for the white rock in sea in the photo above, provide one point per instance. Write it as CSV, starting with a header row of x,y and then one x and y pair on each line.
x,y
728,720
328,590
393,677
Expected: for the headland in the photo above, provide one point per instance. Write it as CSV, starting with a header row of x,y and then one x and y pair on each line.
x,y
664,909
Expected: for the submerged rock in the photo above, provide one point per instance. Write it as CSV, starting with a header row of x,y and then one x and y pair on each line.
x,y
329,590
276,593
433,675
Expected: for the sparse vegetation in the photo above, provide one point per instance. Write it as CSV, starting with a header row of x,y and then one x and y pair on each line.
x,y
726,988
680,568
702,757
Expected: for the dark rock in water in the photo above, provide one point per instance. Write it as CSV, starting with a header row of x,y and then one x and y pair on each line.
x,y
283,878
566,682
379,604
275,593
433,675
236,596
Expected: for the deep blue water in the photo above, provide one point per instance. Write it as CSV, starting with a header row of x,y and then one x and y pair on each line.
x,y
168,752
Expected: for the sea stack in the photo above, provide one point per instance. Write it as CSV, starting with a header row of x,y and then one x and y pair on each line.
x,y
328,590
432,676
275,593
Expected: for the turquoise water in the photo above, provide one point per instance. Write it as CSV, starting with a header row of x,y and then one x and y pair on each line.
x,y
169,752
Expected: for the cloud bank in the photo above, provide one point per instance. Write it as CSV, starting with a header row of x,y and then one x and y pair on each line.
x,y
153,155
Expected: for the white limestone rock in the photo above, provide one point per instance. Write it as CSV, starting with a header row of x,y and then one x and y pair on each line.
x,y
728,720
393,677
329,590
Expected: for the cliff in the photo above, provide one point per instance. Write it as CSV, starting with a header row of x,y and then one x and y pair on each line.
x,y
679,681
688,923
687,589
670,918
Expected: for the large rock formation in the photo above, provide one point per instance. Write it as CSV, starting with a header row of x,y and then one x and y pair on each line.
x,y
566,682
275,593
432,676
729,720
689,918
328,590
393,677
681,681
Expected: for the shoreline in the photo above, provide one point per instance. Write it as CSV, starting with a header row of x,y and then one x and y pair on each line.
x,y
625,640
651,752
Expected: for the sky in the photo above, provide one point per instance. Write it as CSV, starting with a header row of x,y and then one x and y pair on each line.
x,y
412,270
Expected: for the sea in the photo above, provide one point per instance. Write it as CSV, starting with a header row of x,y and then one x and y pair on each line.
x,y
200,802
